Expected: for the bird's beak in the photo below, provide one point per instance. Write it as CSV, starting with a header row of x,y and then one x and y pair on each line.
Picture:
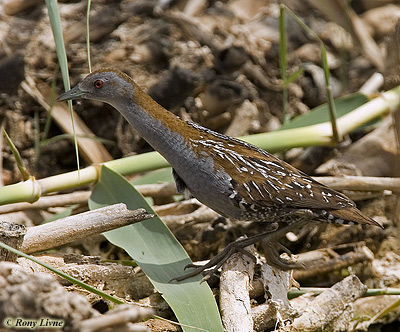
x,y
74,93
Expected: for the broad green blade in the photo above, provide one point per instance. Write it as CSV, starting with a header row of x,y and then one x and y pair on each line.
x,y
320,114
152,245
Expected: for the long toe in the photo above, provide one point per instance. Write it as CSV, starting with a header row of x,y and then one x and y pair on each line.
x,y
274,258
248,254
216,262
271,252
188,275
283,264
192,265
281,247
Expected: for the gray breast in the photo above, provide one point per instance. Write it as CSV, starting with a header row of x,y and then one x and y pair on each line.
x,y
211,187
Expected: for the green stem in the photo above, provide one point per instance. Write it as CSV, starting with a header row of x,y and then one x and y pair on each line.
x,y
294,292
53,89
283,63
331,104
88,36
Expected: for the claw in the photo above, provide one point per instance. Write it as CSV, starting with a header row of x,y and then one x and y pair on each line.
x,y
191,265
205,278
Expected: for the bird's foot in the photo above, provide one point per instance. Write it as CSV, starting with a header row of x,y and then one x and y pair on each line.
x,y
217,261
271,246
272,255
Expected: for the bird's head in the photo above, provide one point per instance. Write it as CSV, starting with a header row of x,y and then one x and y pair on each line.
x,y
106,85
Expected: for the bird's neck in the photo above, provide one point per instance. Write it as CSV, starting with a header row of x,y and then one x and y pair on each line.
x,y
164,131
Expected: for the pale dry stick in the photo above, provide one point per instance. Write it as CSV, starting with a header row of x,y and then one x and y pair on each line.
x,y
322,261
80,226
277,282
195,7
11,234
320,314
373,84
202,214
121,315
264,316
318,262
13,7
158,189
235,283
360,183
356,183
178,208
277,308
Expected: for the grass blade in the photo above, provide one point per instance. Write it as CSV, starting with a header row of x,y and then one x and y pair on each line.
x,y
55,22
88,35
320,114
23,170
283,64
152,245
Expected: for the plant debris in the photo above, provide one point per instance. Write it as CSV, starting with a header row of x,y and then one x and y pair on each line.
x,y
215,63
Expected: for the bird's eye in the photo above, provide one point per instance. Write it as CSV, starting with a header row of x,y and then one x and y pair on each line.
x,y
98,84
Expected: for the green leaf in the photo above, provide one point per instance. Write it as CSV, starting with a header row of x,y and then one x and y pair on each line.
x,y
152,245
320,113
63,214
159,175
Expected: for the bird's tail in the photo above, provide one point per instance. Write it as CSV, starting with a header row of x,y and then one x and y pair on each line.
x,y
353,215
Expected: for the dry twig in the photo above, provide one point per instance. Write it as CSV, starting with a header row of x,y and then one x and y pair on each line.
x,y
321,313
80,226
236,276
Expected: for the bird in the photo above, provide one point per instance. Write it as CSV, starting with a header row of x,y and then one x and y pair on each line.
x,y
234,178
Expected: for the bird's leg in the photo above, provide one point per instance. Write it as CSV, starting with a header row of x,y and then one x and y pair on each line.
x,y
238,246
216,262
